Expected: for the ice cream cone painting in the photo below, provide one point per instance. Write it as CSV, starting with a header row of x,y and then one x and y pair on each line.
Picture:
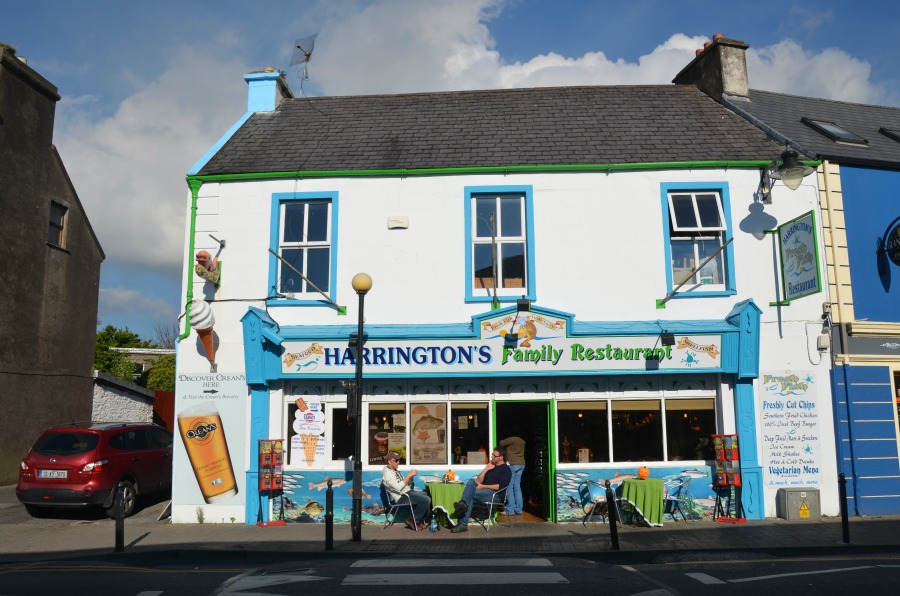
x,y
202,319
309,442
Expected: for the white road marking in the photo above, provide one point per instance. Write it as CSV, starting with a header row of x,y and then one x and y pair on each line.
x,y
765,577
150,593
446,579
252,582
703,578
394,563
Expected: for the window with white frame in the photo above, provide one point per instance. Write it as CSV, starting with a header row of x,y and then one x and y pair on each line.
x,y
499,260
697,230
304,242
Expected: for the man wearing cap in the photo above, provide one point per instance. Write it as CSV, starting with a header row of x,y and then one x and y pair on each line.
x,y
398,484
495,476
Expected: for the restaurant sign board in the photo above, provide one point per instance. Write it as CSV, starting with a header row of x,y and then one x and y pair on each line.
x,y
522,343
800,274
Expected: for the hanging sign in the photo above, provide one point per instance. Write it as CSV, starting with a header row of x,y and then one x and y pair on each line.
x,y
892,245
799,257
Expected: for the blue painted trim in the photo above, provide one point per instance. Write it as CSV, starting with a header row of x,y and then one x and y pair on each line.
x,y
218,145
752,495
722,188
278,199
259,428
531,291
262,91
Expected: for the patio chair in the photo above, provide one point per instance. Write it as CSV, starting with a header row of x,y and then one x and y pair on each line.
x,y
484,512
594,502
392,507
677,491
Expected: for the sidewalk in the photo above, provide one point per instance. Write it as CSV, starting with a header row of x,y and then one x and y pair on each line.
x,y
148,540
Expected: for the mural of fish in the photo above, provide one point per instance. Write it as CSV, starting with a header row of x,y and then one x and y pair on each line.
x,y
313,508
427,422
365,495
335,482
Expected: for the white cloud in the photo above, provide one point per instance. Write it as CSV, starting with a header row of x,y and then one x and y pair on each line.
x,y
128,303
129,168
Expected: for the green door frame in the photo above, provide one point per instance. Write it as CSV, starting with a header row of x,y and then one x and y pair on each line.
x,y
551,444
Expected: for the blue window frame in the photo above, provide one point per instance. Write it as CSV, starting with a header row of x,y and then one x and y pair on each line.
x,y
304,232
696,223
499,243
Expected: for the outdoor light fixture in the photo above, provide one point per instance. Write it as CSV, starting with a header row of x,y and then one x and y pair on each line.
x,y
790,170
361,283
668,339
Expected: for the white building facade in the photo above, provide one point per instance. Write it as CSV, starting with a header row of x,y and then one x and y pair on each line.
x,y
585,346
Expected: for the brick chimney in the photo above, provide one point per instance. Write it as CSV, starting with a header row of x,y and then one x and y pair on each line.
x,y
720,68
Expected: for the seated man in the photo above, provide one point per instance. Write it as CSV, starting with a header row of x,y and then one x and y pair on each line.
x,y
399,484
495,476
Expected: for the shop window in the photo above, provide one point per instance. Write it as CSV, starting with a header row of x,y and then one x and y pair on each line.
x,y
469,437
583,431
387,432
696,223
56,230
499,244
304,230
637,430
689,424
321,440
428,439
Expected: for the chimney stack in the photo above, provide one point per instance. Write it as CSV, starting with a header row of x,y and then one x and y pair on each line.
x,y
266,90
720,68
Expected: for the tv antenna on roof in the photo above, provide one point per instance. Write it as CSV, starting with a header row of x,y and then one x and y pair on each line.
x,y
303,49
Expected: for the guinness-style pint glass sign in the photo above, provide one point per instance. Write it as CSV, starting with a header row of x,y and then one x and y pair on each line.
x,y
201,430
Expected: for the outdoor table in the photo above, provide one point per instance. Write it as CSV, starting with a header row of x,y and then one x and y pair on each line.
x,y
646,497
443,496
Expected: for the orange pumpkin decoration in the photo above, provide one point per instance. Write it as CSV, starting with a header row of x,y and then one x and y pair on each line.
x,y
643,472
451,475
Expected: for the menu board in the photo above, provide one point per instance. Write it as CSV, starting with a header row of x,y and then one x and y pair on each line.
x,y
428,439
790,430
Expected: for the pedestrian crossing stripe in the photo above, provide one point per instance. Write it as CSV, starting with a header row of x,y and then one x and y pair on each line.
x,y
467,563
448,579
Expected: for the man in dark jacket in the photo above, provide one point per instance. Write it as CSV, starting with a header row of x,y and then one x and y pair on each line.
x,y
495,476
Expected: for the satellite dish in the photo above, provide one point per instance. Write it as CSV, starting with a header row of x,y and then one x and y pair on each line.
x,y
303,49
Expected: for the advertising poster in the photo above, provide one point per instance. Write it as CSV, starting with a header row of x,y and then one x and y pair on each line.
x,y
429,434
790,430
209,466
307,440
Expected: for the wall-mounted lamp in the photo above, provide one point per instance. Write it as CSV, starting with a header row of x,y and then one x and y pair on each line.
x,y
790,170
667,339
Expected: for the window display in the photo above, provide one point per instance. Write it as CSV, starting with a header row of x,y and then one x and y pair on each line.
x,y
469,425
387,432
583,431
428,440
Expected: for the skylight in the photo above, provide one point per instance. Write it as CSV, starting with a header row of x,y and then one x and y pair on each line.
x,y
890,132
835,132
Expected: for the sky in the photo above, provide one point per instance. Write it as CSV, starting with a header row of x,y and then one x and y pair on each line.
x,y
148,87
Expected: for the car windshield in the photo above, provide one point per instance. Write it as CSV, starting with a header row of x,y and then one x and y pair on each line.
x,y
66,443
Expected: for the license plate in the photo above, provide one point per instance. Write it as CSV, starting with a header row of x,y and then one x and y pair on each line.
x,y
53,474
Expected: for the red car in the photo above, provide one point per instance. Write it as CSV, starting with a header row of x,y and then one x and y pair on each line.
x,y
80,465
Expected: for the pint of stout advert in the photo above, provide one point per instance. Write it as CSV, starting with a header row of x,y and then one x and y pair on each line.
x,y
201,430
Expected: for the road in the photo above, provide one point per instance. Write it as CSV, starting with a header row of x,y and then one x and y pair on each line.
x,y
454,574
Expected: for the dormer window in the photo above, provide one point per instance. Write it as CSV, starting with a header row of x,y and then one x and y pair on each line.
x,y
834,132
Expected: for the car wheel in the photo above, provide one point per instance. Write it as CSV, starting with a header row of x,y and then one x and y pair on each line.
x,y
37,511
130,500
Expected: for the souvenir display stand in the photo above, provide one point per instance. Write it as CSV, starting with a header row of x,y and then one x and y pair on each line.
x,y
727,482
271,477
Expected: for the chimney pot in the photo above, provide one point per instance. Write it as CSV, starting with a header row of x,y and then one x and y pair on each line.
x,y
707,44
718,36
698,51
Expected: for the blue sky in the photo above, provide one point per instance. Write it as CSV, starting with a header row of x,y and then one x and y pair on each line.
x,y
148,87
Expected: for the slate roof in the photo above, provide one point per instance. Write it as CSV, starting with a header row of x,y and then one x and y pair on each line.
x,y
782,113
508,127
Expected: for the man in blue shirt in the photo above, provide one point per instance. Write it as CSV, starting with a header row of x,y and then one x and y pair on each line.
x,y
495,476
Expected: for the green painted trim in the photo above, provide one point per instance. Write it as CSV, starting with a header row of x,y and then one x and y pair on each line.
x,y
403,172
780,303
194,184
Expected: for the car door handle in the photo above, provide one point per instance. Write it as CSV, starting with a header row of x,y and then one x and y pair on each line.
x,y
136,458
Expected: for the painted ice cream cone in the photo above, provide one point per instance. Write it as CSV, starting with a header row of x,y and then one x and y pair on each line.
x,y
206,336
202,319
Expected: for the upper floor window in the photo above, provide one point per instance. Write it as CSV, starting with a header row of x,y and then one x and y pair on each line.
x,y
499,239
697,227
303,235
56,230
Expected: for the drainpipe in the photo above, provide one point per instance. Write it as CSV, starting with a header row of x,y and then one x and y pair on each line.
x,y
194,185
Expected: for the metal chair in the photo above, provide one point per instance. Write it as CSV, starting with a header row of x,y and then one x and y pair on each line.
x,y
391,507
594,501
677,491
483,512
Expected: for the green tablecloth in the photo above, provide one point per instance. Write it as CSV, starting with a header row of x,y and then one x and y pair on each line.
x,y
443,496
646,497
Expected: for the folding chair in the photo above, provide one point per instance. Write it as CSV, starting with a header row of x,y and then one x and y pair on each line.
x,y
677,491
391,507
483,512
593,501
